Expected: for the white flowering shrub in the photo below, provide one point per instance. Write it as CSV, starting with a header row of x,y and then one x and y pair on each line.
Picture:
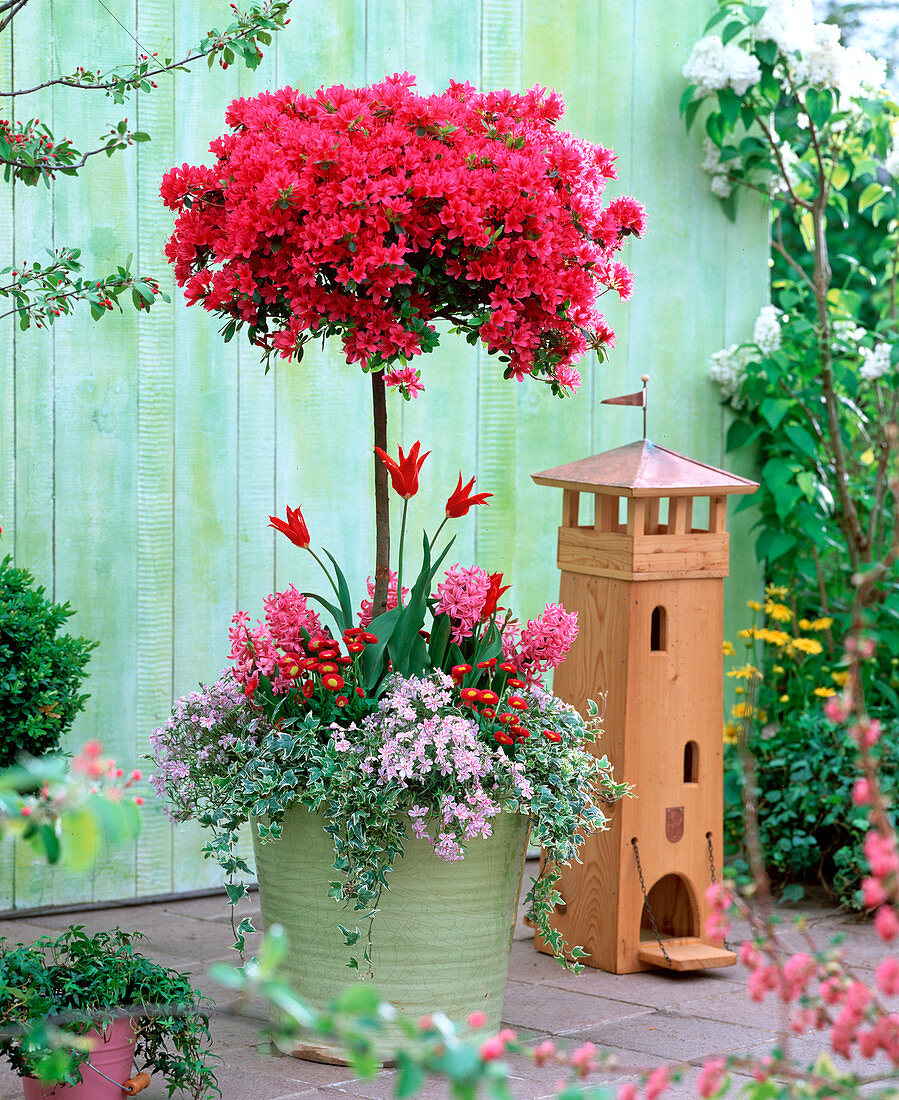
x,y
792,113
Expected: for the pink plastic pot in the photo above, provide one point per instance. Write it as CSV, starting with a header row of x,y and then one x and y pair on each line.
x,y
113,1055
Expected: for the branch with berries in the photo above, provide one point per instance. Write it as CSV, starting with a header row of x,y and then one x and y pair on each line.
x,y
241,38
42,292
30,153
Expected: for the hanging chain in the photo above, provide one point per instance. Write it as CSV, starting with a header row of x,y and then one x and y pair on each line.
x,y
649,911
708,837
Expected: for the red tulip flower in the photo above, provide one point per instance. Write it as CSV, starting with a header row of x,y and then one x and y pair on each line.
x,y
294,527
404,474
461,502
494,592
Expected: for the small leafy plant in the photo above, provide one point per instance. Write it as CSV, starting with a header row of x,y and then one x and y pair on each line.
x,y
41,670
77,982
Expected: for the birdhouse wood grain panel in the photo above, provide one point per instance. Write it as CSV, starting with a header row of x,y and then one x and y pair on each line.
x,y
646,578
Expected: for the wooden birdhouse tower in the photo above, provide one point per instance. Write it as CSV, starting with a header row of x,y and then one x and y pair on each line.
x,y
645,573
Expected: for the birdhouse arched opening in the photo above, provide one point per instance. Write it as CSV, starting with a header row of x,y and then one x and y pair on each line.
x,y
658,630
691,762
674,908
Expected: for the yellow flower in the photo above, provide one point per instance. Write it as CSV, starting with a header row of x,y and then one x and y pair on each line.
x,y
747,672
807,645
742,710
785,698
839,678
775,590
778,611
749,632
753,605
820,624
731,732
867,457
805,624
775,637
729,650
739,691
778,670
824,692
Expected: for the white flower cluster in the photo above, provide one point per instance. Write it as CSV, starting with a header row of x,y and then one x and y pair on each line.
x,y
891,164
728,368
766,331
713,66
875,361
721,185
788,23
847,333
826,61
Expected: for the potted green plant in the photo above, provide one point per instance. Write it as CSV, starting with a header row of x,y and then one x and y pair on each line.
x,y
80,1010
392,772
41,671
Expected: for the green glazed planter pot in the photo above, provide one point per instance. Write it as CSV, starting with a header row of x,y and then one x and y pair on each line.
x,y
441,937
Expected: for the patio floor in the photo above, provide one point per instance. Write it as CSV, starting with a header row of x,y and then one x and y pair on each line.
x,y
645,1018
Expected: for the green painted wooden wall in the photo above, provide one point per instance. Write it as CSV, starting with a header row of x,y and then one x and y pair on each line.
x,y
140,457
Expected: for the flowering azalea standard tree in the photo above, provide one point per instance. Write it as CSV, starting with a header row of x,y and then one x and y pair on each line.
x,y
373,213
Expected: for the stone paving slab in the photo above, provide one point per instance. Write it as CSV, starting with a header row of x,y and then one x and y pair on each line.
x,y
645,1018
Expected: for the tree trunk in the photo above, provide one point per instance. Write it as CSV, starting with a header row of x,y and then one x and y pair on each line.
x,y
382,502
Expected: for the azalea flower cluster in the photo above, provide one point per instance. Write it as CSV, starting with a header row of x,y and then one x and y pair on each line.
x,y
369,213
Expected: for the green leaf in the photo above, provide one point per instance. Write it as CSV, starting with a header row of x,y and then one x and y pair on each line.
x,y
409,1076
819,105
729,102
807,482
714,127
723,13
754,12
687,96
840,176
741,433
343,591
871,194
772,545
774,409
690,113
802,440
731,31
361,999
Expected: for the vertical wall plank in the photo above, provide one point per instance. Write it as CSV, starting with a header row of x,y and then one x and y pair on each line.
x,y
205,440
7,419
32,539
96,414
156,366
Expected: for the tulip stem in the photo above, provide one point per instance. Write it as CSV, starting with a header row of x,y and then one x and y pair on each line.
x,y
324,569
399,573
433,541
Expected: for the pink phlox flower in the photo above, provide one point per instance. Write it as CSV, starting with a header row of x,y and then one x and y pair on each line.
x,y
887,976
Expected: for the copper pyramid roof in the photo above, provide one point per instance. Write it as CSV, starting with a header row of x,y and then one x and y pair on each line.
x,y
644,469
